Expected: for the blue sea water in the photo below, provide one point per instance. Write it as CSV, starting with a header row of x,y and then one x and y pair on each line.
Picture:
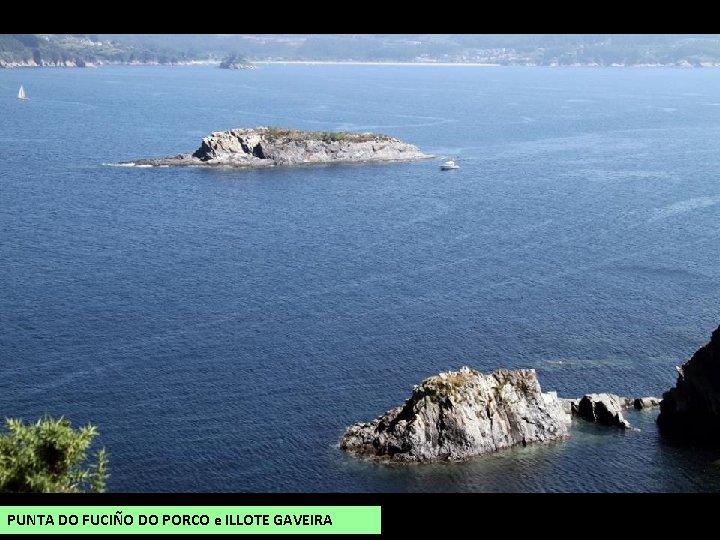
x,y
222,328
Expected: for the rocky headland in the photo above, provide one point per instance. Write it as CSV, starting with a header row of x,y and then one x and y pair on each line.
x,y
691,410
269,147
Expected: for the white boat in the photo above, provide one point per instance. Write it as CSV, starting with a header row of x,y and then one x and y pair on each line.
x,y
449,165
22,94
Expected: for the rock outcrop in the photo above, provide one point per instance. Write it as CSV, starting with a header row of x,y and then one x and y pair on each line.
x,y
456,415
691,410
268,147
646,402
603,409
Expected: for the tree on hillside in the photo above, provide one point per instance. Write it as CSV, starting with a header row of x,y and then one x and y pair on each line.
x,y
50,456
234,61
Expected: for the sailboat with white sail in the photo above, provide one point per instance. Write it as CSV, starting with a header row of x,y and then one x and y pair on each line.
x,y
22,94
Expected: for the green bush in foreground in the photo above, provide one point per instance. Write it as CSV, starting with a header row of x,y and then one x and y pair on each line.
x,y
50,456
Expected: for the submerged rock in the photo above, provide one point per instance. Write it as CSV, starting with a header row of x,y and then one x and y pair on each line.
x,y
268,147
456,415
604,409
691,410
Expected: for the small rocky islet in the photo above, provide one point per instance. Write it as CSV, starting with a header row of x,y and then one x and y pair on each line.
x,y
460,414
270,147
457,415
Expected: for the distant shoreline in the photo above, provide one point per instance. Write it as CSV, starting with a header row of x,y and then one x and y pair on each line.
x,y
93,65
365,63
475,64
89,65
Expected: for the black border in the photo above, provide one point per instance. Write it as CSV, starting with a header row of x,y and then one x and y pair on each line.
x,y
444,515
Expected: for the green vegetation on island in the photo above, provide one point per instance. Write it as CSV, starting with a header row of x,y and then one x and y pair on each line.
x,y
50,456
285,134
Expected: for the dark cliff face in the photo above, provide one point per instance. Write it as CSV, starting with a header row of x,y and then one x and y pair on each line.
x,y
691,410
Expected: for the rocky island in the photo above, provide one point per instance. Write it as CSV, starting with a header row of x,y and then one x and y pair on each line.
x,y
270,147
460,414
